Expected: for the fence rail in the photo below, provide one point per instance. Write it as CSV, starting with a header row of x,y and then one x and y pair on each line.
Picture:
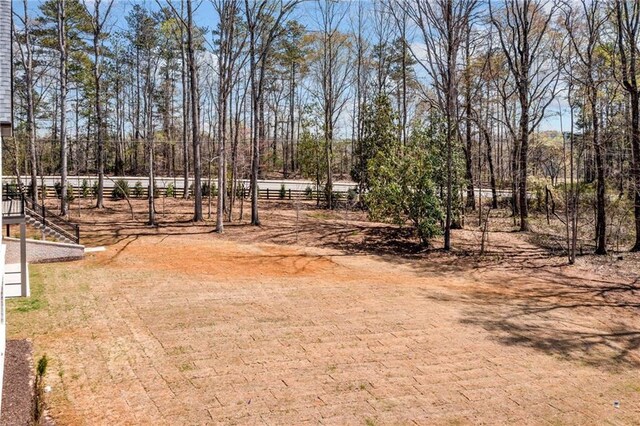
x,y
52,221
13,205
267,188
17,204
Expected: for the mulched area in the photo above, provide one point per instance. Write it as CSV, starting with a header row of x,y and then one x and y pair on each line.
x,y
17,395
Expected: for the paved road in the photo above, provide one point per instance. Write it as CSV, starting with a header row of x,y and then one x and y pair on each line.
x,y
263,184
163,182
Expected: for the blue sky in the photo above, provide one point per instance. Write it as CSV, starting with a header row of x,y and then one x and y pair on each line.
x,y
307,13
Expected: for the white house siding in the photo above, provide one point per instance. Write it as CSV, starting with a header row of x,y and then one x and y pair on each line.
x,y
5,62
5,121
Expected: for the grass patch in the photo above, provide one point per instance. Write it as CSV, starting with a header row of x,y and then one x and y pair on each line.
x,y
633,387
185,367
321,215
37,299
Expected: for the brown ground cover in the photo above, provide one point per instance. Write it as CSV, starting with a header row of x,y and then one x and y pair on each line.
x,y
326,318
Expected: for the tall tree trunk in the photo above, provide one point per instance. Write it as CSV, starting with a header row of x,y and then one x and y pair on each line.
x,y
255,139
601,221
150,149
492,174
635,166
99,125
292,91
185,121
31,124
195,114
522,166
62,46
471,199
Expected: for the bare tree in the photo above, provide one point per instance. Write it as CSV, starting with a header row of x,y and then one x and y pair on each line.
x,y
522,29
228,54
97,26
195,115
627,26
26,54
584,28
62,48
184,75
264,20
332,74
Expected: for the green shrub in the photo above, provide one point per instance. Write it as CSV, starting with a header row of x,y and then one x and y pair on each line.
x,y
11,188
171,190
240,190
308,192
39,389
206,191
283,192
70,193
85,188
58,187
94,189
404,182
120,190
138,190
352,195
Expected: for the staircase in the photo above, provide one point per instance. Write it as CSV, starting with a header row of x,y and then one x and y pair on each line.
x,y
18,206
52,225
49,231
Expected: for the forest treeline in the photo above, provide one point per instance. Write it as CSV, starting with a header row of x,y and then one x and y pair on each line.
x,y
420,103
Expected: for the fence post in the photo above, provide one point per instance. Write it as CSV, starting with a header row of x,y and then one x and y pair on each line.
x,y
289,193
267,193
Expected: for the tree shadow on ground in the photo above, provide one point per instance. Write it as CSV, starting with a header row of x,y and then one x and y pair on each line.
x,y
522,294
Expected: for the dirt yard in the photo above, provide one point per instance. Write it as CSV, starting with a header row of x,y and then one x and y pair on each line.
x,y
320,317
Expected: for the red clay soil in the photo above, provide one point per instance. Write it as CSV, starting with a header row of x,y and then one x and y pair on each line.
x,y
323,317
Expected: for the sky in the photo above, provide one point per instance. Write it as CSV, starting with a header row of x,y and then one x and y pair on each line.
x,y
307,13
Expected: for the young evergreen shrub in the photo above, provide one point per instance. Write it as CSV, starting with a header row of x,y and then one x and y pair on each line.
x,y
404,180
206,190
39,405
308,192
283,192
171,190
85,190
138,190
240,190
58,187
120,190
352,195
11,188
70,193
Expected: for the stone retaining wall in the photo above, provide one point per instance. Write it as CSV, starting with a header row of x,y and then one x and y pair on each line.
x,y
43,251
